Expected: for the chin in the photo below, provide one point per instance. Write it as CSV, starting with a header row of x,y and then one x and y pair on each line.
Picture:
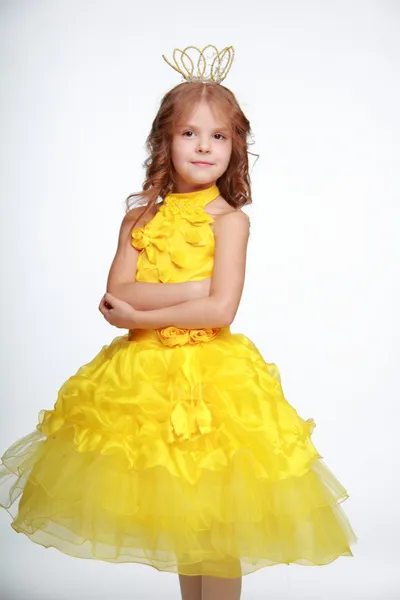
x,y
202,175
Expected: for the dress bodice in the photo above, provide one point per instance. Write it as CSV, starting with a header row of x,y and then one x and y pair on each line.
x,y
178,243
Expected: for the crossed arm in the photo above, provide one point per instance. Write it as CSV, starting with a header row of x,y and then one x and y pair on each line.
x,y
206,303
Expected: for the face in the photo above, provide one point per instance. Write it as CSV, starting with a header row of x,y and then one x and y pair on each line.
x,y
201,150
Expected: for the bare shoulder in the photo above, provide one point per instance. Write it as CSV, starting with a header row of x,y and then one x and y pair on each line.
x,y
235,221
226,216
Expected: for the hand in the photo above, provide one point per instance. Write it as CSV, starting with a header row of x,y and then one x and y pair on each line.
x,y
117,312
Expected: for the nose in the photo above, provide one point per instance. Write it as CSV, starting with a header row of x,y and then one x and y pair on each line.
x,y
203,145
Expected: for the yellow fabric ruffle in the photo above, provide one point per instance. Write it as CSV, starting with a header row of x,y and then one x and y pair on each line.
x,y
177,243
186,458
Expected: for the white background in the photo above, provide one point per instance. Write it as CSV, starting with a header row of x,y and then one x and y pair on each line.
x,y
81,82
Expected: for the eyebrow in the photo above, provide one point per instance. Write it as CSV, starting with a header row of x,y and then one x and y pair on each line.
x,y
190,126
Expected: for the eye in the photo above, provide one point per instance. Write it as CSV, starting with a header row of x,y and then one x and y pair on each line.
x,y
222,136
186,132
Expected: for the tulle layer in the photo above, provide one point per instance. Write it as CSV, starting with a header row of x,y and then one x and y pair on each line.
x,y
188,459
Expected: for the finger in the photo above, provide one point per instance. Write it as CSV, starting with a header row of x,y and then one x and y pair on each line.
x,y
101,303
103,310
110,299
104,304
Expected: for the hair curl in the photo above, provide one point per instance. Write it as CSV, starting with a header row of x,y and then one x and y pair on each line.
x,y
234,183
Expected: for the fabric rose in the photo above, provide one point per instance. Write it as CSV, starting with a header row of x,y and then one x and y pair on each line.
x,y
173,336
203,335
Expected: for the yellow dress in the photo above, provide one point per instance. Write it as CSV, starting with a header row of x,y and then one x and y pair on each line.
x,y
176,448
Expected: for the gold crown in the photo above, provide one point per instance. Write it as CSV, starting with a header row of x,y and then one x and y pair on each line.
x,y
219,63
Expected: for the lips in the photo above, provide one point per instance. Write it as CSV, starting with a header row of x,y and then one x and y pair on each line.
x,y
201,162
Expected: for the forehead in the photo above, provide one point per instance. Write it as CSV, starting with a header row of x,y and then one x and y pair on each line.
x,y
204,114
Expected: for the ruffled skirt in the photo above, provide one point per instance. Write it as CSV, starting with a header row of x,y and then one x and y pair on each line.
x,y
185,457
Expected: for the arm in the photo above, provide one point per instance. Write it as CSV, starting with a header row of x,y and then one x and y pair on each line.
x,y
150,296
140,295
220,307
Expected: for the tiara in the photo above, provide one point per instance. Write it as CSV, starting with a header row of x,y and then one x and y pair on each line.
x,y
219,63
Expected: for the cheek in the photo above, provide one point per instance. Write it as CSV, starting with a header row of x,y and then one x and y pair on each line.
x,y
177,152
226,154
173,150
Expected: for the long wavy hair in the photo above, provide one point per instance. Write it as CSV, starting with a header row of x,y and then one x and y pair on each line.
x,y
234,183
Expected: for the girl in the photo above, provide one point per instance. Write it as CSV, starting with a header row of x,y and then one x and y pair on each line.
x,y
175,446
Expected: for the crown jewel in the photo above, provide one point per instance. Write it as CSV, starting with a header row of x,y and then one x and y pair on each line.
x,y
209,68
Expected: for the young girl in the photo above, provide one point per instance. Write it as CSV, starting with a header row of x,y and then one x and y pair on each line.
x,y
175,446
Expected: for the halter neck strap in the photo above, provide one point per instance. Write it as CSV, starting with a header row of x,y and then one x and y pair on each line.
x,y
199,197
